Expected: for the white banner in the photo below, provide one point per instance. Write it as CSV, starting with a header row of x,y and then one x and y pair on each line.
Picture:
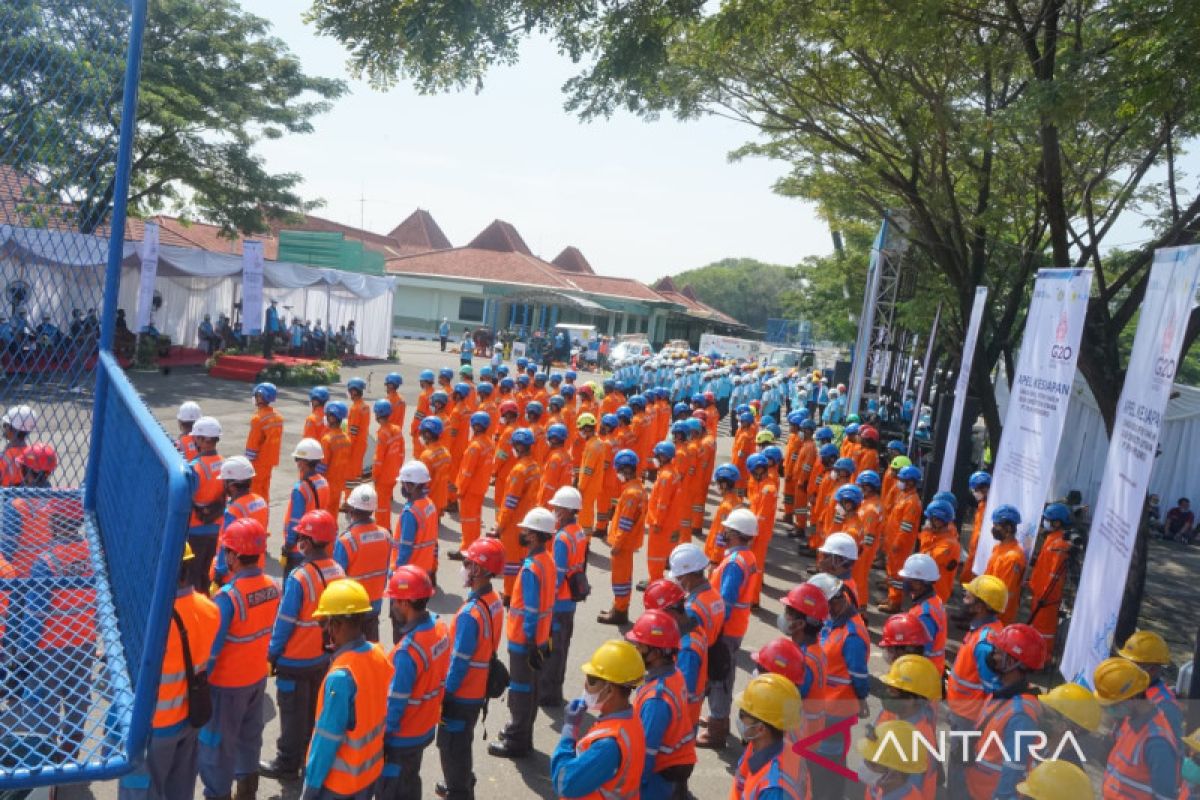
x,y
866,322
252,287
1037,409
925,382
1162,321
950,453
145,298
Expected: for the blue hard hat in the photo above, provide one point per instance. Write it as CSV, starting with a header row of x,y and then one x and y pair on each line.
x,y
534,408
694,425
1057,512
610,421
775,431
393,379
849,493
426,376
485,389
439,397
567,391
979,479
741,408
336,409
824,433
625,414
746,418
773,454
446,373
557,432
727,472
485,371
808,424
625,459
523,379
382,408
910,473
795,418
757,461
896,444
555,378
571,375
680,408
462,389
433,426
319,393
522,362
679,428
946,497
664,451
869,477
539,377
637,402
557,401
507,383
609,384
502,370
1006,514
844,465
697,399
481,419
268,392
356,383
940,510
827,451
852,429
522,436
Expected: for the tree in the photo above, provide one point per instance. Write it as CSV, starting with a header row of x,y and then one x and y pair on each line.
x,y
747,290
214,84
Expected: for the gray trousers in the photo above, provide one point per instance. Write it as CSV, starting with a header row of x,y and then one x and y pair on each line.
x,y
401,778
231,742
296,692
554,671
522,700
720,693
169,771
454,736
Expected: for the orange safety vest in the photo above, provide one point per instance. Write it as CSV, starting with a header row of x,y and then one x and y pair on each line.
x,y
429,648
813,711
488,612
627,731
983,774
7,573
738,617
926,724
965,692
424,554
542,566
1127,776
200,619
265,437
70,617
358,761
944,548
577,550
249,506
242,660
678,745
209,489
307,640
780,774
315,491
10,471
187,447
936,650
368,550
842,701
40,518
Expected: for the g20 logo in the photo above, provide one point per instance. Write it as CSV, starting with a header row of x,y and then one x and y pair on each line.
x,y
1061,352
1164,368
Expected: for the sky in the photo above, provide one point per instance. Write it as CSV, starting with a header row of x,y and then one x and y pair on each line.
x,y
639,199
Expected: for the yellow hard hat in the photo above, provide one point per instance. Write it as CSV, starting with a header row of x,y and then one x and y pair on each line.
x,y
1118,679
894,746
1075,703
900,462
616,661
916,674
343,597
990,589
764,437
1193,740
773,699
583,420
1054,780
1146,647
816,374
188,555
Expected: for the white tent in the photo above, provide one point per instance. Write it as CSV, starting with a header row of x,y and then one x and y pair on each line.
x,y
57,266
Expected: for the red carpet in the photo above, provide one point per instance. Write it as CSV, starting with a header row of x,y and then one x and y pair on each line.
x,y
246,368
183,357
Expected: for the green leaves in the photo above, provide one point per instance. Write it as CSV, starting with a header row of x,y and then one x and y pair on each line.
x,y
747,290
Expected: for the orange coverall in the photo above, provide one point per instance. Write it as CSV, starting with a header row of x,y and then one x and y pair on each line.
x,y
389,457
946,551
743,446
593,467
729,501
625,534
336,445
520,494
556,473
471,480
764,507
900,539
437,460
504,460
870,523
1007,563
358,428
968,571
664,509
423,411
262,447
1046,584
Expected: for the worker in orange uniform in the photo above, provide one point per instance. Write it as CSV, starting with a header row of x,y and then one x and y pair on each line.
x,y
471,480
920,574
850,444
743,445
661,706
1145,760
1007,561
642,424
625,534
315,426
335,444
837,556
684,466
208,500
764,503
939,540
509,421
530,615
980,483
708,462
867,456
436,458
238,475
310,492
420,660
520,493
847,649
475,640
587,400
457,434
1150,652
389,456
805,610
248,605
890,480
424,409
391,385
611,487
297,648
830,513
569,411
801,476
736,579
189,411
900,533
524,392
364,552
768,710
702,463
265,438
593,464
791,457
726,478
570,550
415,541
556,469
664,509
169,769
822,484
613,397
1049,572
870,522
899,771
345,757
358,427
609,760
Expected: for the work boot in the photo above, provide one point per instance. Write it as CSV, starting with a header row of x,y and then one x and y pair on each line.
x,y
508,749
277,770
613,617
246,788
641,585
455,555
714,736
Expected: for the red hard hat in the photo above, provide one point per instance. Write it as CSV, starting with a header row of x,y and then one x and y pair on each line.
x,y
903,630
808,600
663,593
1022,642
700,414
318,525
486,553
655,629
510,407
246,537
586,390
869,433
39,457
409,583
782,657
709,397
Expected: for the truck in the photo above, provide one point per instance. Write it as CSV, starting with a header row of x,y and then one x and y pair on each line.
x,y
729,347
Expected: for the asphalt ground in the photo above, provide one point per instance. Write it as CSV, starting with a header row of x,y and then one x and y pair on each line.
x,y
1170,607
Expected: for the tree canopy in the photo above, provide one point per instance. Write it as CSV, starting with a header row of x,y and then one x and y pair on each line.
x,y
747,290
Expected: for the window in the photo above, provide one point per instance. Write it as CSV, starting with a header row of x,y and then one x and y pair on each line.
x,y
470,309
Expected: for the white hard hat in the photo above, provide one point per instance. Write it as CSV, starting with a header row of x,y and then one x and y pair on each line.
x,y
828,584
189,411
309,450
686,559
567,497
840,544
21,418
414,472
539,519
743,521
207,427
237,468
920,567
363,498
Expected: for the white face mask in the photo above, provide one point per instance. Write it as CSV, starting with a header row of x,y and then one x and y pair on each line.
x,y
592,700
979,495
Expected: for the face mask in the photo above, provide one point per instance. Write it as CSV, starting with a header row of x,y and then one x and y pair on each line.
x,y
784,623
1191,771
592,700
654,463
979,495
